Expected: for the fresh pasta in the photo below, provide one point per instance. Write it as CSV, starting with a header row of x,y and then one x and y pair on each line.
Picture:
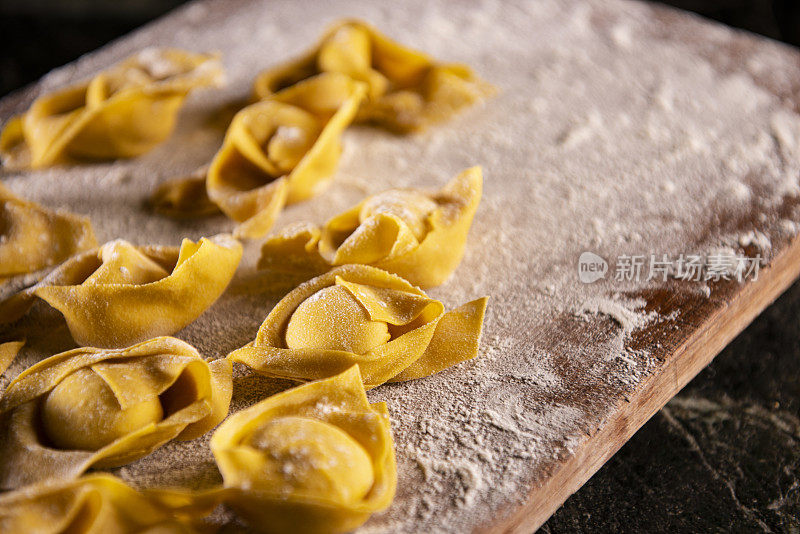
x,y
93,504
408,90
281,150
417,235
120,294
33,238
120,113
92,407
9,351
356,314
318,458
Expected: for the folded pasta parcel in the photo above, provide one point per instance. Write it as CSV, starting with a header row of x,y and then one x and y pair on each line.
x,y
317,458
120,113
356,314
93,504
120,294
407,89
92,407
282,150
34,238
417,235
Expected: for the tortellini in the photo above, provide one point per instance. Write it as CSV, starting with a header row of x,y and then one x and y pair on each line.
x,y
407,89
94,504
92,407
278,151
34,238
356,314
120,294
120,113
8,351
315,459
418,236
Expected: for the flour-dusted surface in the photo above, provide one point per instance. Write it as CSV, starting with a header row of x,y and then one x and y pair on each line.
x,y
619,128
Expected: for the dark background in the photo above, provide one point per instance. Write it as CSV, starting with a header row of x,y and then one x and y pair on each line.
x,y
723,456
37,35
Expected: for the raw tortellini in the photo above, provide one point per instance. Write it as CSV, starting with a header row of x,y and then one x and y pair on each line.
x,y
33,238
356,314
416,235
93,407
93,504
120,113
120,294
277,151
407,89
315,459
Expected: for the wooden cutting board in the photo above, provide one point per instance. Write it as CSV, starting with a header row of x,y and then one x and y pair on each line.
x,y
621,129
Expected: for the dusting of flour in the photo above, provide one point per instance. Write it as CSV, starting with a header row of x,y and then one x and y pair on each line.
x,y
612,132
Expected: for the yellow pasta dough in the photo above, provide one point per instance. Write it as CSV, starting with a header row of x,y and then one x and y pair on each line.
x,y
418,236
120,113
94,504
33,238
277,151
407,89
121,294
92,407
356,314
315,459
9,351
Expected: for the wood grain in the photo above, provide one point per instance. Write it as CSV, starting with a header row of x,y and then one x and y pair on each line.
x,y
707,325
686,356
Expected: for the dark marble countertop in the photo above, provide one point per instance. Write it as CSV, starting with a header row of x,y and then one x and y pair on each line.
x,y
722,456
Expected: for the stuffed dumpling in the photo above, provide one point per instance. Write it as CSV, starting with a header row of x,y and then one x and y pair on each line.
x,y
417,235
34,238
356,314
277,151
92,407
407,89
120,294
120,113
315,459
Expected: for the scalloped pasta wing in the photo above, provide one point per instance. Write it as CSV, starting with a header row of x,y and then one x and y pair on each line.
x,y
92,504
33,238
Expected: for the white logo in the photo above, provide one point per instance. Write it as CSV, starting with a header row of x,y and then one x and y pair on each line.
x,y
591,267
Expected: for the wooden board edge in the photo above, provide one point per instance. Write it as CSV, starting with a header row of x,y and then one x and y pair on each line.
x,y
698,350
